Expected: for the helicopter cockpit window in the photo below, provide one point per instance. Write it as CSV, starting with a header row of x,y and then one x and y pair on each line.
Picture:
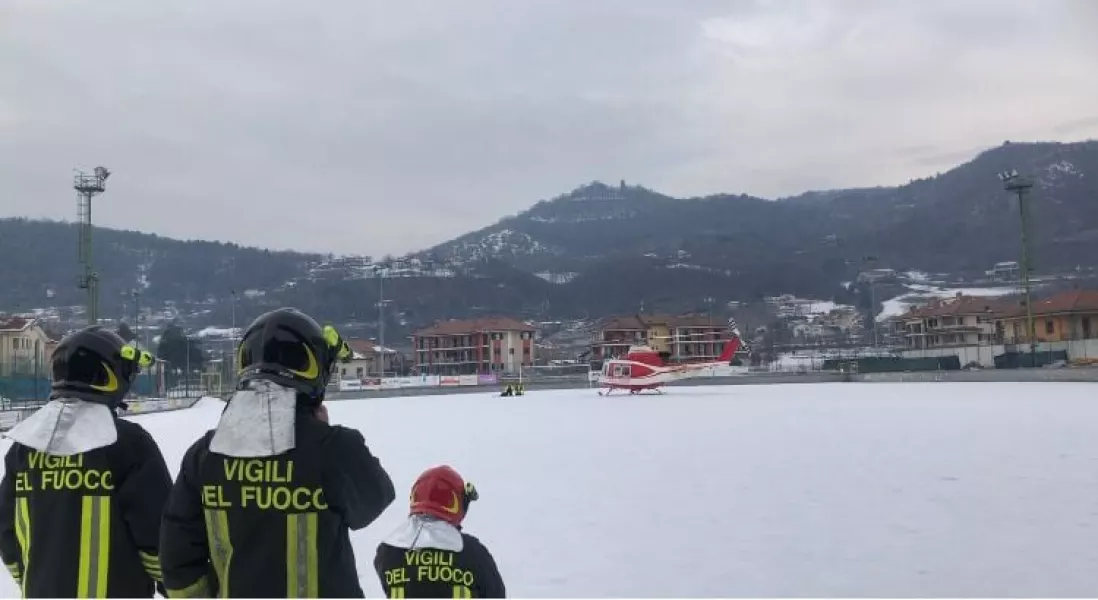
x,y
621,370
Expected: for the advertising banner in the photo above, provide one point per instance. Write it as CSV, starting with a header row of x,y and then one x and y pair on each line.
x,y
350,385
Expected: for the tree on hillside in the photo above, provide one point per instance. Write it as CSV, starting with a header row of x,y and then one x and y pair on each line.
x,y
180,352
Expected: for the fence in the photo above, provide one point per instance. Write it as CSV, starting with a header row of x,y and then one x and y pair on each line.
x,y
417,381
992,356
1072,351
30,388
11,416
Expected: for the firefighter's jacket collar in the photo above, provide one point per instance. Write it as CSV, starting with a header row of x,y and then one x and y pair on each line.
x,y
259,421
67,426
420,531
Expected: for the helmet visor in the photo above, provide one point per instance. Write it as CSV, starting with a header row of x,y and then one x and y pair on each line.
x,y
82,366
278,347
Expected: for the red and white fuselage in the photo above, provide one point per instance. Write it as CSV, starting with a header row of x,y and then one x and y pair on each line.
x,y
644,369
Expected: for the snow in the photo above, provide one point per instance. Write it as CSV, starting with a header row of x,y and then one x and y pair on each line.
x,y
1058,171
557,278
377,350
822,307
824,490
797,361
219,333
921,293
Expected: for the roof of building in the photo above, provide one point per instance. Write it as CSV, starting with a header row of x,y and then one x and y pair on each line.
x,y
9,324
630,322
959,305
697,321
1064,302
362,349
467,326
640,322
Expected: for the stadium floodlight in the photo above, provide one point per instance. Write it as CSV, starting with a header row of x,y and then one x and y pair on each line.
x,y
1021,185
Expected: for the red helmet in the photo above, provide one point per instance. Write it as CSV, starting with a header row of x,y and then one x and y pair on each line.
x,y
442,493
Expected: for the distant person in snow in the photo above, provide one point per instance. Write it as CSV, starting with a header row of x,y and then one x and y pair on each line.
x,y
264,503
83,490
429,556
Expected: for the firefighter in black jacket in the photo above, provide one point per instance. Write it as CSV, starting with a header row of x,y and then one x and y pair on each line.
x,y
429,556
83,490
263,504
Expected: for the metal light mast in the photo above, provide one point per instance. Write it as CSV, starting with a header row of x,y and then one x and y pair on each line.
x,y
1020,185
381,324
872,262
87,186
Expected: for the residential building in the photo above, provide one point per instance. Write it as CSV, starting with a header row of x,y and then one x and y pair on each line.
x,y
23,347
959,321
1071,315
364,362
683,338
477,346
615,335
1004,271
877,276
696,338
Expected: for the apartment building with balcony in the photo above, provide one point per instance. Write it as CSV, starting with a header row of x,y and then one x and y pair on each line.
x,y
500,345
958,321
683,338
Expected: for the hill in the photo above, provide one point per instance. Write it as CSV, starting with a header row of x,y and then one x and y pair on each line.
x,y
603,249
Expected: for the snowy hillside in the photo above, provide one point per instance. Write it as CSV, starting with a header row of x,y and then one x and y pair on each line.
x,y
878,490
504,243
921,295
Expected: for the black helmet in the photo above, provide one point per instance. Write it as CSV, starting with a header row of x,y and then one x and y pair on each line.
x,y
288,347
94,364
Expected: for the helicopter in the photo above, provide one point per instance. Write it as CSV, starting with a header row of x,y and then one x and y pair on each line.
x,y
644,369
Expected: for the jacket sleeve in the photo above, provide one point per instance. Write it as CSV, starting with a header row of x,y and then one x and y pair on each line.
x,y
356,485
184,553
10,550
142,494
489,579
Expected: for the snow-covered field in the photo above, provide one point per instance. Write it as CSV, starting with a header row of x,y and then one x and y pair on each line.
x,y
936,489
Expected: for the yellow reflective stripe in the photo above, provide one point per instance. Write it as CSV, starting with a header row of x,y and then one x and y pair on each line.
x,y
198,589
13,568
23,536
95,547
396,591
151,563
301,556
221,547
461,591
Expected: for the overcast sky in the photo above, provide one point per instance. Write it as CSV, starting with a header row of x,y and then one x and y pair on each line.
x,y
358,126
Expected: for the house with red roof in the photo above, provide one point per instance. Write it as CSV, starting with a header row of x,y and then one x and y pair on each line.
x,y
1070,315
953,322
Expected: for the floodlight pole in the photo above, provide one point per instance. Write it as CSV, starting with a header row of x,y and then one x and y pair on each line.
x,y
872,261
380,325
1021,185
86,187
